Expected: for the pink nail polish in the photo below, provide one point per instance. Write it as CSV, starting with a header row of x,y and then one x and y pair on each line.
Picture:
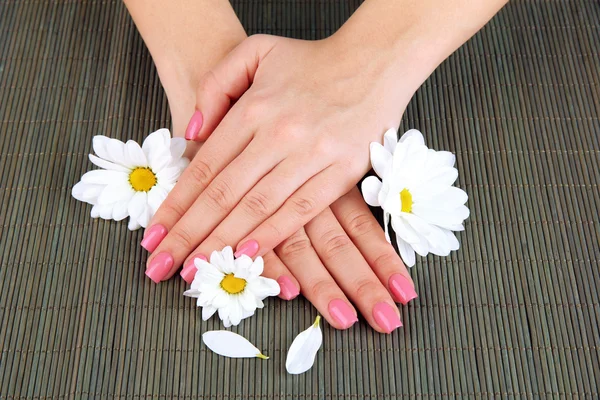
x,y
194,126
189,270
154,235
386,317
342,313
249,248
401,288
289,291
159,267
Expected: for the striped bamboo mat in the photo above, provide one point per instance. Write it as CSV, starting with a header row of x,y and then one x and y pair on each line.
x,y
514,313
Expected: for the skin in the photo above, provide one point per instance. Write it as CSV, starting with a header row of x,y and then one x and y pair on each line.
x,y
350,259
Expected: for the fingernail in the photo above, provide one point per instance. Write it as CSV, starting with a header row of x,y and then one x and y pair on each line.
x,y
159,267
401,288
386,317
289,291
154,235
189,270
342,313
249,248
194,126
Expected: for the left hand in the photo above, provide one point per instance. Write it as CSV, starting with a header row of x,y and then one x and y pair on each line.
x,y
296,139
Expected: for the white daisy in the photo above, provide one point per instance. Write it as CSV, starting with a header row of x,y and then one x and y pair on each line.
x,y
233,287
416,192
133,181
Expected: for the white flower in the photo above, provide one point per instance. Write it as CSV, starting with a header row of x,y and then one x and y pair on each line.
x,y
302,352
232,345
133,181
233,287
416,192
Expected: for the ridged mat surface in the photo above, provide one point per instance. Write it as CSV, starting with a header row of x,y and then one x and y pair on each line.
x,y
514,313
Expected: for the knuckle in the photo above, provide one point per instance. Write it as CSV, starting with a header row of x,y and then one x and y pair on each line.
x,y
302,206
386,261
365,288
294,246
208,85
322,289
220,195
335,243
200,171
172,208
257,205
360,223
182,237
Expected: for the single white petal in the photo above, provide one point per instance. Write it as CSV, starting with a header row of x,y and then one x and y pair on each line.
x,y
406,252
102,211
102,163
116,192
229,344
245,268
304,348
386,223
87,192
134,154
177,148
99,143
208,312
412,134
169,174
103,177
144,218
156,196
115,149
264,287
371,187
381,159
235,311
405,230
442,159
390,140
120,211
133,225
137,204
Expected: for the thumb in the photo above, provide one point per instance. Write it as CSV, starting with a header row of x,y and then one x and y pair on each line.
x,y
225,83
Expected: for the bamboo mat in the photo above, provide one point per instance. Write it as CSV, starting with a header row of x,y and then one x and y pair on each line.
x,y
514,313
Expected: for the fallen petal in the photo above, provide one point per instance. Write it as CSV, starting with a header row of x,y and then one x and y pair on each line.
x,y
302,352
229,344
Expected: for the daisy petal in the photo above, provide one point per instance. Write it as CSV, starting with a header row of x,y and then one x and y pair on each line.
x,y
412,134
406,252
133,225
120,212
177,148
264,287
135,155
102,163
390,140
304,348
371,187
381,159
116,193
156,196
208,312
103,177
229,344
87,192
138,204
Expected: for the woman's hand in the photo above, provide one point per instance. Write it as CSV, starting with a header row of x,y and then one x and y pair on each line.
x,y
292,144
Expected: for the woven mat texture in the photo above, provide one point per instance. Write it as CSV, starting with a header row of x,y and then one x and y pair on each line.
x,y
515,313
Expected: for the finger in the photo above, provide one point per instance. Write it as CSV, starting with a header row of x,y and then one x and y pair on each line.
x,y
361,226
274,269
317,193
316,283
352,273
262,201
211,159
210,208
225,83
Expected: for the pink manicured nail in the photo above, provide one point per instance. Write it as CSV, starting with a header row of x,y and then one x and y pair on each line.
x,y
159,267
194,126
342,313
386,317
401,288
189,270
289,291
249,248
154,235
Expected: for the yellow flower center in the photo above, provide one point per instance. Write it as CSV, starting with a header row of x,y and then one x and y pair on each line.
x,y
406,201
233,285
142,179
